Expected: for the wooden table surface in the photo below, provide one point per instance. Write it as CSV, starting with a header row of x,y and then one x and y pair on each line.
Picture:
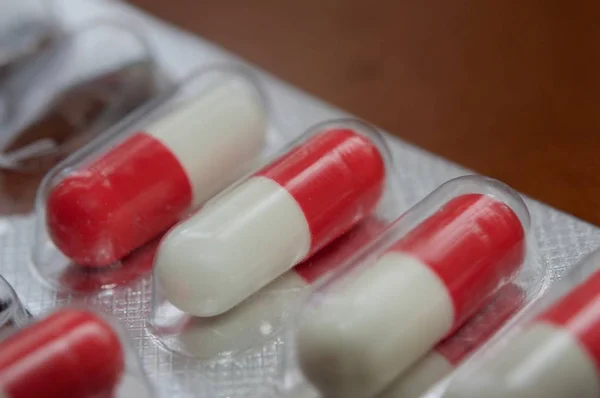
x,y
508,88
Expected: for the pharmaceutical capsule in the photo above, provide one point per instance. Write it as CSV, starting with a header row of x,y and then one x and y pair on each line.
x,y
555,356
264,226
70,354
101,212
260,315
450,353
371,326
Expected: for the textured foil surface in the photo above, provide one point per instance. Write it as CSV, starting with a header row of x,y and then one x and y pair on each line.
x,y
562,239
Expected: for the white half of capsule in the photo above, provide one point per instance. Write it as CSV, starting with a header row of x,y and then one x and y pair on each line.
x,y
232,248
214,136
247,325
365,331
542,362
419,378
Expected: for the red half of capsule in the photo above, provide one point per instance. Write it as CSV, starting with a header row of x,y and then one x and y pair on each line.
x,y
336,177
100,213
579,313
336,253
482,326
70,354
473,243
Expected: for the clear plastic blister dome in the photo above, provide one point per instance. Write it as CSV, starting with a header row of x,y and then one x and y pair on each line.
x,y
115,197
438,265
12,312
71,351
78,86
229,278
552,350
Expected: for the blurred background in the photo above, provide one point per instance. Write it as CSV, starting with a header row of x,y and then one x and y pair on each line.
x,y
510,89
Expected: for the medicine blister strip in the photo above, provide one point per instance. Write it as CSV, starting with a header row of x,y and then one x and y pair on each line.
x,y
561,239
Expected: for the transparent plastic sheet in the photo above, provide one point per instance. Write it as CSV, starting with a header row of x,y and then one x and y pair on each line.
x,y
74,89
550,351
91,357
264,242
562,238
436,267
149,172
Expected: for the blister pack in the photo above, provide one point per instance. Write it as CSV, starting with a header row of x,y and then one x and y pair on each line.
x,y
231,259
250,240
465,247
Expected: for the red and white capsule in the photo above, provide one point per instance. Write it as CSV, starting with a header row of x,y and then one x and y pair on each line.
x,y
283,214
451,352
557,355
71,354
104,210
262,314
362,332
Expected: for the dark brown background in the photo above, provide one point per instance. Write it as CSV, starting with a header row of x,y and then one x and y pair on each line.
x,y
508,88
